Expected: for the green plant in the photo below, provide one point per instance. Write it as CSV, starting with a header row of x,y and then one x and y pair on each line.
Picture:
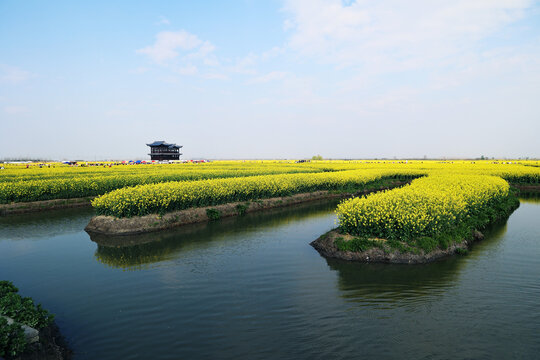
x,y
12,339
445,240
213,214
7,287
241,208
426,243
399,246
22,309
357,244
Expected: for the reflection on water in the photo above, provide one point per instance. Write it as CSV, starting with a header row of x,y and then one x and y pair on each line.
x,y
134,252
44,224
390,284
367,284
530,198
495,231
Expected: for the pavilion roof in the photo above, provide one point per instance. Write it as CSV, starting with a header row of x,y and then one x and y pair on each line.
x,y
163,143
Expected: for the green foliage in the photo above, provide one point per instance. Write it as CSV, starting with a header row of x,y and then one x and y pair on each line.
x,y
22,309
7,287
316,157
445,240
213,214
12,339
399,246
461,251
358,244
426,243
241,208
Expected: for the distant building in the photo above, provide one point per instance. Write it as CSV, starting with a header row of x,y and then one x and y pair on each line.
x,y
160,150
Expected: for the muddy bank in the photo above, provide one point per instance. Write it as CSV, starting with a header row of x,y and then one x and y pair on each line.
x,y
109,225
35,206
525,188
325,245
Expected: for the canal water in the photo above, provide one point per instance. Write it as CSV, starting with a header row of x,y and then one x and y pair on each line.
x,y
252,287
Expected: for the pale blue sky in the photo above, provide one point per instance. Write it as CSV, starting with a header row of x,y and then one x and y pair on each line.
x,y
270,79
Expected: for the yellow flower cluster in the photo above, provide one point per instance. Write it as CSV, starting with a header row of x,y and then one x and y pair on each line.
x,y
164,197
56,181
21,184
430,206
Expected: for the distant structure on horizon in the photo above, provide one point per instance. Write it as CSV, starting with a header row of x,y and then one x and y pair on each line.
x,y
160,150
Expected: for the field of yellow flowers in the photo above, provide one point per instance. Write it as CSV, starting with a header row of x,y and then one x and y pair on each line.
x,y
21,184
141,189
170,196
429,207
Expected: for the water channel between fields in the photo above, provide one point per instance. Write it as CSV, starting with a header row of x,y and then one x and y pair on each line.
x,y
252,287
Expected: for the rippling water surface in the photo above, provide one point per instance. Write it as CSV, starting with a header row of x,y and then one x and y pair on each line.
x,y
251,287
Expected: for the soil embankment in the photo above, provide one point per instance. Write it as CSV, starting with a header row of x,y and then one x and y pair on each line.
x,y
326,246
526,188
35,206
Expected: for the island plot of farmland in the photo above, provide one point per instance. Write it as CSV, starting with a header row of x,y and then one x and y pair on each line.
x,y
434,216
431,218
437,215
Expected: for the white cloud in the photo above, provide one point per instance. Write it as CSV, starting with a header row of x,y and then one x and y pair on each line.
x,y
394,35
168,43
272,53
139,70
245,65
215,76
205,54
184,54
271,76
13,75
187,70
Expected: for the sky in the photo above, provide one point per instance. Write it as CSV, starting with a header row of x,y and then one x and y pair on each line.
x,y
248,79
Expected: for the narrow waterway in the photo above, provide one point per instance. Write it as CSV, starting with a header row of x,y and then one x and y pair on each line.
x,y
251,287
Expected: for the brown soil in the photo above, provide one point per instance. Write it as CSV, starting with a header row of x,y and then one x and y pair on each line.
x,y
35,206
110,225
527,188
326,247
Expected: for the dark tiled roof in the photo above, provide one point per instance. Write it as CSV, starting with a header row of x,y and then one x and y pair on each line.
x,y
163,143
